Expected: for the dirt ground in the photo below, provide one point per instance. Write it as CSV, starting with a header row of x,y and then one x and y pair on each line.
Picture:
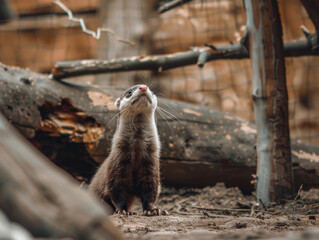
x,y
224,213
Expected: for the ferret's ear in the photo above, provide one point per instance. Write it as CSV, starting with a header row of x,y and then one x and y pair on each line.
x,y
117,103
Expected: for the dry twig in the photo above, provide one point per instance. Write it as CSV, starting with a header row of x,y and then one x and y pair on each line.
x,y
263,204
294,202
96,34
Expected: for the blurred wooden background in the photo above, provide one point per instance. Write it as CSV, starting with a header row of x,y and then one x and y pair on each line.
x,y
41,34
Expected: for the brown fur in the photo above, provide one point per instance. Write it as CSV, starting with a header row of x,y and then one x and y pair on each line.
x,y
132,169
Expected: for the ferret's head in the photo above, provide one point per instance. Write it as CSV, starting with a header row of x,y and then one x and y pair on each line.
x,y
137,99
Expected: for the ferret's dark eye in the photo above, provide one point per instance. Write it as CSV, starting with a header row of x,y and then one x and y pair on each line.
x,y
129,94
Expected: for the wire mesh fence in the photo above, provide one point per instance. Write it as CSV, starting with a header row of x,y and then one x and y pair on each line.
x,y
42,34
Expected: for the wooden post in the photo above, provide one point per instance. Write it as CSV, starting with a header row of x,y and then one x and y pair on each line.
x,y
5,11
128,19
274,168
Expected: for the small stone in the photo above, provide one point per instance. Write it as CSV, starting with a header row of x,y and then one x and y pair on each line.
x,y
312,217
241,225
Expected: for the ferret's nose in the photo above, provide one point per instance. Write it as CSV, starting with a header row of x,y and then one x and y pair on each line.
x,y
143,88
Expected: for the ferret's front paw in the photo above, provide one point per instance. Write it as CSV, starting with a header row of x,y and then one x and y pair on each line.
x,y
155,212
124,212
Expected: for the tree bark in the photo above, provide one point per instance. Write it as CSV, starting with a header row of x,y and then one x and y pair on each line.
x,y
72,125
274,167
44,199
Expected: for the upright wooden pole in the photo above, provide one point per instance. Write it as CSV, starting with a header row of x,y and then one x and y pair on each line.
x,y
130,20
274,168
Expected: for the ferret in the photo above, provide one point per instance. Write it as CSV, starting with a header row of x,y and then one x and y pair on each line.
x,y
132,170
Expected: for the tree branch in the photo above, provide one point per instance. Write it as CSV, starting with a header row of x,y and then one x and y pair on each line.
x,y
166,6
307,47
65,69
197,55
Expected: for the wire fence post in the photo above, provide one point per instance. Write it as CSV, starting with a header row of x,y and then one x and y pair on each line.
x,y
274,168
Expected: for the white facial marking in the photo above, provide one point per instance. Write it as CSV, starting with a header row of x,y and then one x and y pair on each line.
x,y
137,99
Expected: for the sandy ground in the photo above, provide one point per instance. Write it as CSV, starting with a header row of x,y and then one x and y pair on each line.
x,y
223,213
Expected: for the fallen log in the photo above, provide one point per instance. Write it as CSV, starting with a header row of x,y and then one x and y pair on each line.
x,y
44,199
73,126
11,231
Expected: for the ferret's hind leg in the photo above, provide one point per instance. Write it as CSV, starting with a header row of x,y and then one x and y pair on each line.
x,y
122,200
107,199
149,193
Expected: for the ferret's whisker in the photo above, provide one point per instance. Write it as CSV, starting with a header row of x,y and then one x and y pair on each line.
x,y
116,115
156,91
174,110
164,117
171,114
112,119
162,114
150,83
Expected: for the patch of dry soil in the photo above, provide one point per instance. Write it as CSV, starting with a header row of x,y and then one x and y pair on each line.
x,y
223,213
